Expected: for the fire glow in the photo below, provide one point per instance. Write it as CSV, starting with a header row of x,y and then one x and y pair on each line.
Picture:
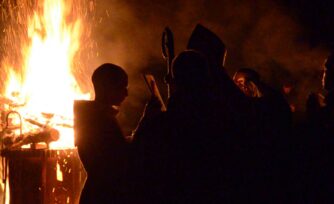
x,y
43,88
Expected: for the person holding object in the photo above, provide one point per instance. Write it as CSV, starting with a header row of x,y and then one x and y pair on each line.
x,y
175,156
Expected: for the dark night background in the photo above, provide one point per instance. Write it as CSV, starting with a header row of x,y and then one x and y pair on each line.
x,y
285,40
316,17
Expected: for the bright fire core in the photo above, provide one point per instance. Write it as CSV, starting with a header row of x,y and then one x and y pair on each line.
x,y
43,88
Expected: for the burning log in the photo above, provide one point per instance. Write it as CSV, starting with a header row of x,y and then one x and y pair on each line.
x,y
43,131
47,135
34,122
7,101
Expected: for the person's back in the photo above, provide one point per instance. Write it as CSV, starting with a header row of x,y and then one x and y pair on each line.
x,y
177,146
227,96
101,145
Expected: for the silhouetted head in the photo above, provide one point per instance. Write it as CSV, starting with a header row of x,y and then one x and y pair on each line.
x,y
209,44
247,80
190,70
328,73
110,84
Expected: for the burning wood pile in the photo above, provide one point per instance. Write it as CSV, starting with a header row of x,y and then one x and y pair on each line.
x,y
19,130
13,136
40,42
40,87
38,173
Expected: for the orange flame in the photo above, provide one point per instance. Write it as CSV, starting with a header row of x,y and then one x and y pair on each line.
x,y
46,87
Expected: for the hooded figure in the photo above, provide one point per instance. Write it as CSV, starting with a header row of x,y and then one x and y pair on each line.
x,y
209,44
227,94
178,151
245,127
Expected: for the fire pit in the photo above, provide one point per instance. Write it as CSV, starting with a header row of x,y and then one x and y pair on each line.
x,y
44,176
38,173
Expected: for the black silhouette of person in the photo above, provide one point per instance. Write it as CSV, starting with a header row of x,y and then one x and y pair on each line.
x,y
238,113
271,147
227,93
270,105
177,150
320,105
102,147
318,134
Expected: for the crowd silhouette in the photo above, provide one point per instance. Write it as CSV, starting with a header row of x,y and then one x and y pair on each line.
x,y
222,139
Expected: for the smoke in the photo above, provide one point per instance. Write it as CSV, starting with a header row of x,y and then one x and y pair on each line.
x,y
258,34
276,49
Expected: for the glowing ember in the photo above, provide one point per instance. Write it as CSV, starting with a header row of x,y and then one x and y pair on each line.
x,y
59,173
43,88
